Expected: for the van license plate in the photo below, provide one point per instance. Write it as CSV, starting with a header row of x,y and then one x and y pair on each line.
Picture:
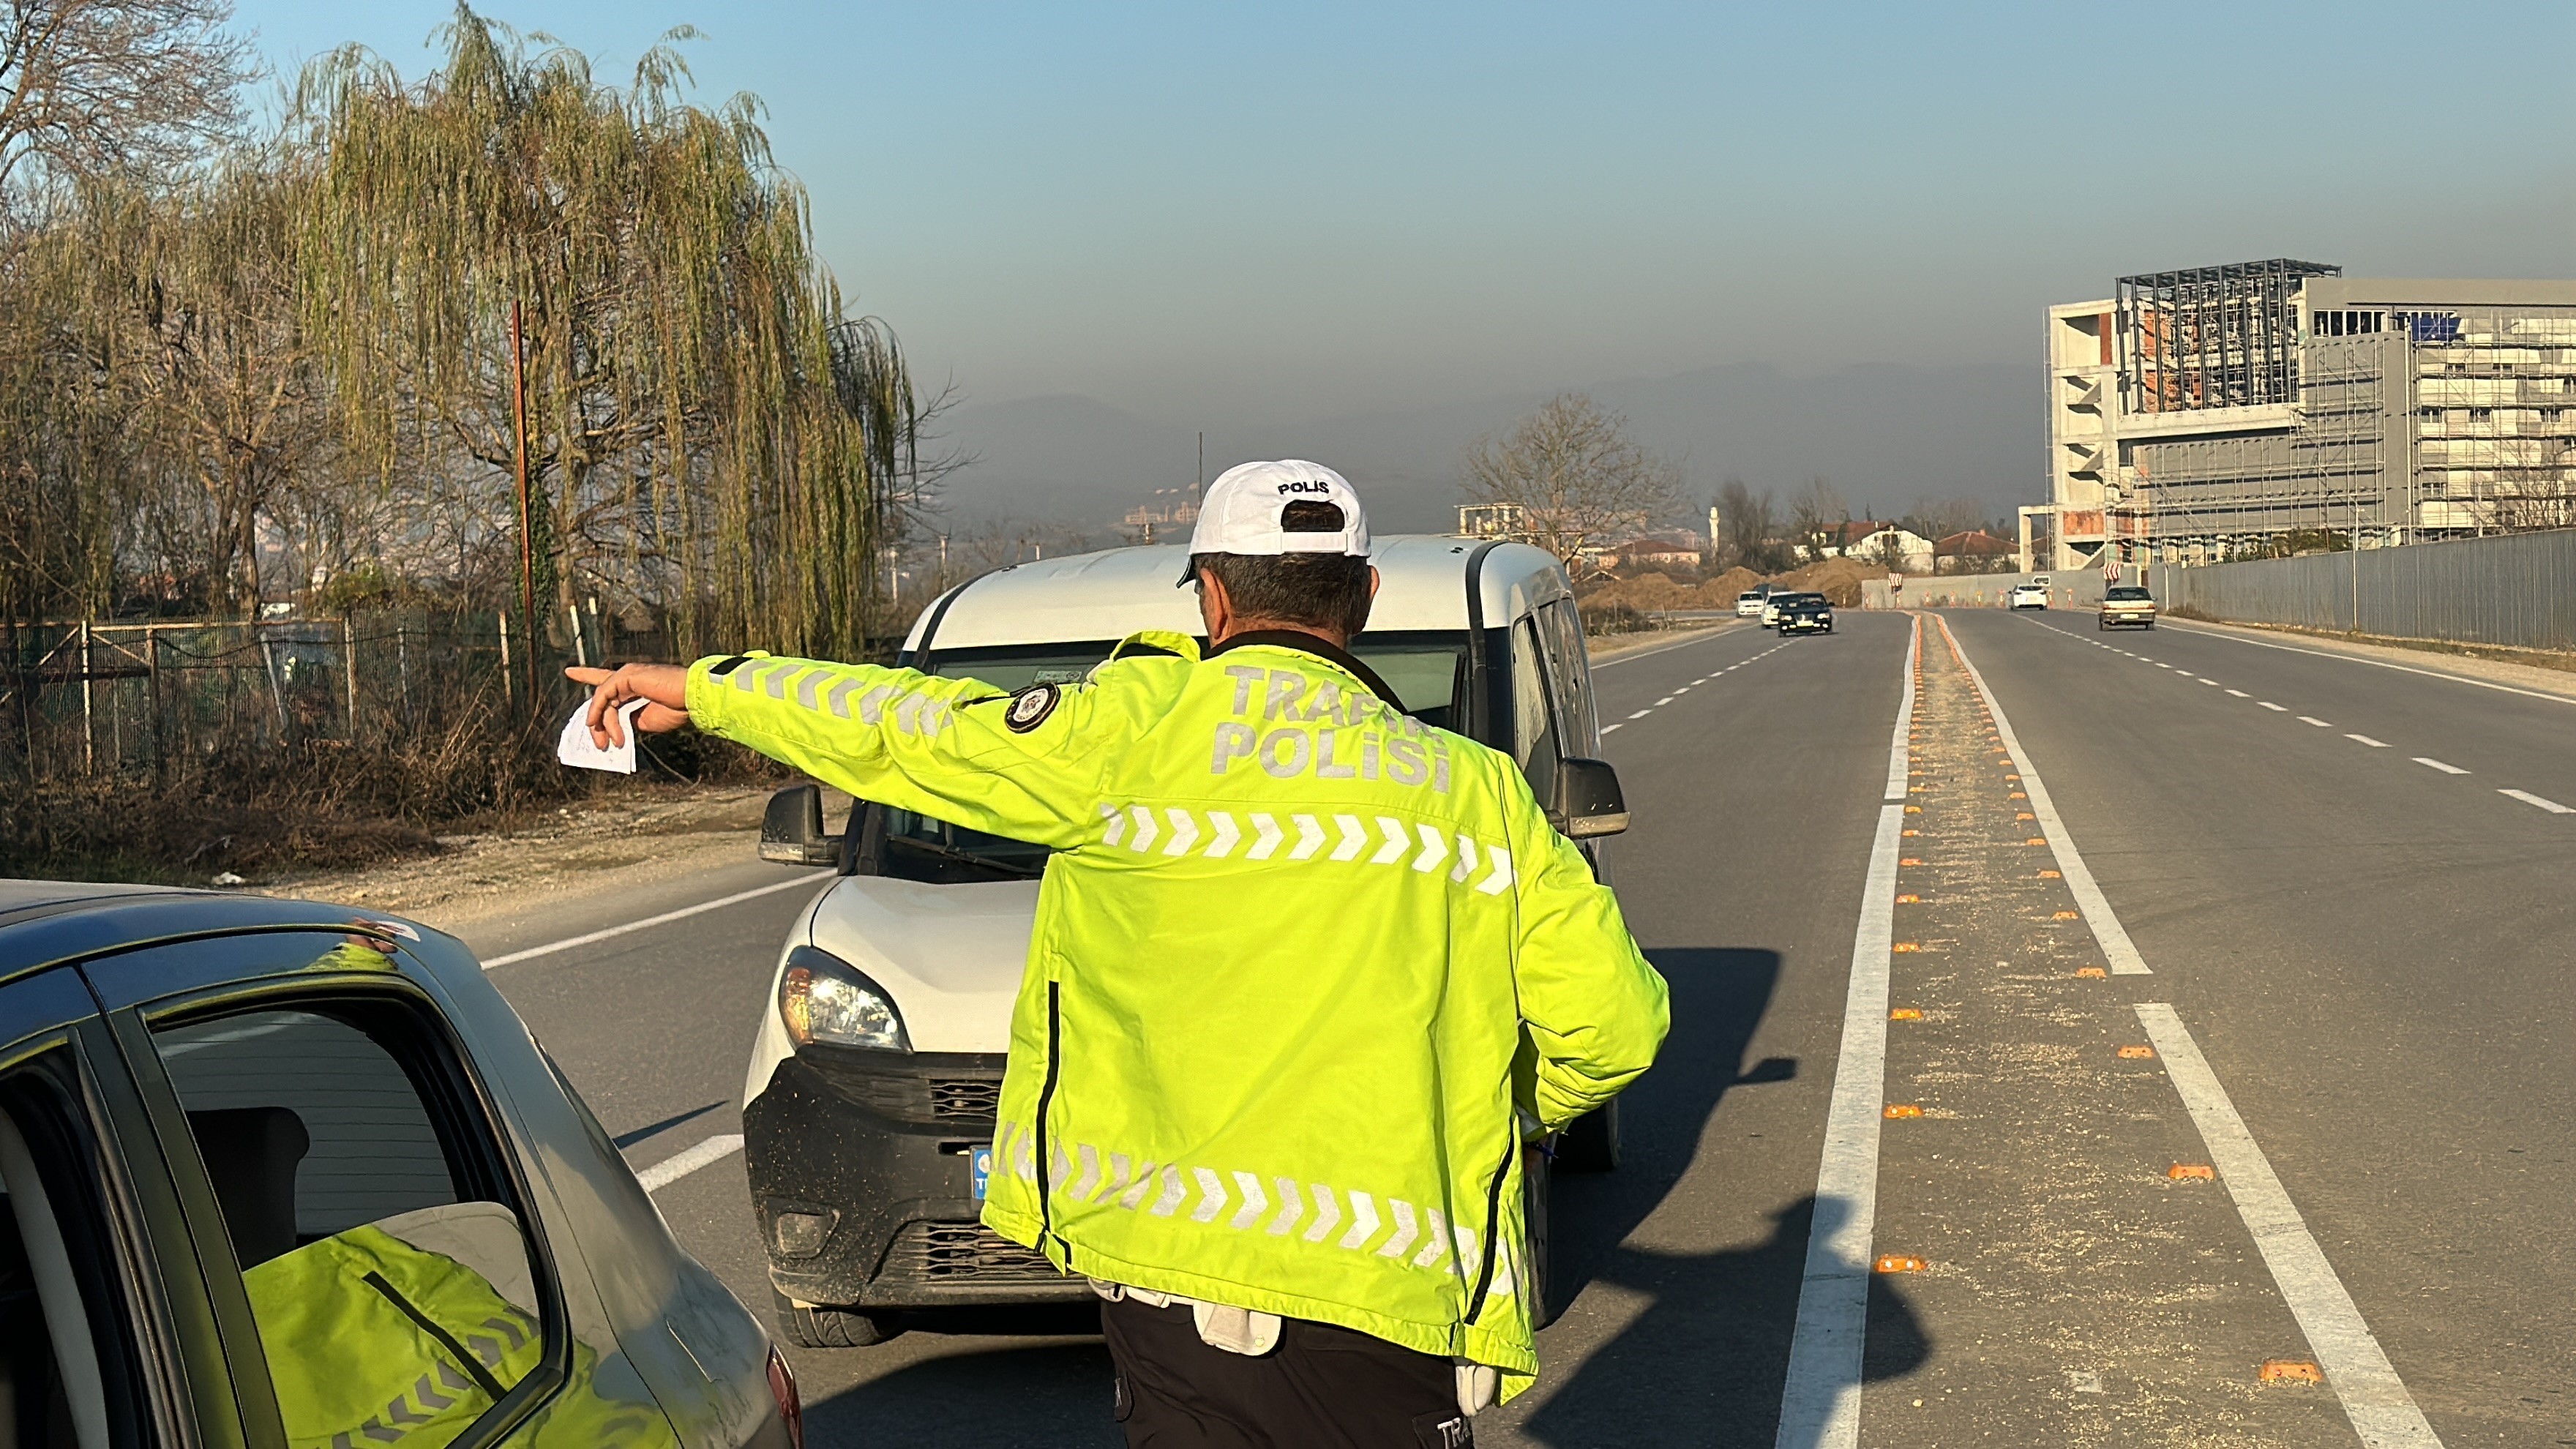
x,y
979,1162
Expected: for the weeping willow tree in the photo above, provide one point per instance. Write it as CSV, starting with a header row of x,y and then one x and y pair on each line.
x,y
706,433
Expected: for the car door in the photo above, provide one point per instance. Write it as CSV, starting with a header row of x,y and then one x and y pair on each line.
x,y
106,1338
377,1267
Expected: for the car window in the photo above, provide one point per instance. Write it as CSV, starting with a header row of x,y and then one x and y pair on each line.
x,y
70,1376
1572,672
1534,737
380,1241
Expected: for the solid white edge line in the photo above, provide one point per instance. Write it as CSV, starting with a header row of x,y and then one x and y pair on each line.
x,y
2385,664
2382,1412
2447,769
680,1164
2117,950
2552,806
1897,752
664,919
1820,1397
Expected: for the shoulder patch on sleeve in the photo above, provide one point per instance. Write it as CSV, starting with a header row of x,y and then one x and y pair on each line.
x,y
1030,707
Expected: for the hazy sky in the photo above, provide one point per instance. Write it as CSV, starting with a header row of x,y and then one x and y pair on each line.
x,y
1238,215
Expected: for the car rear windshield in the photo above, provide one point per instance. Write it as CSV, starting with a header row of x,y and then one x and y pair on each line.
x,y
1427,669
2128,594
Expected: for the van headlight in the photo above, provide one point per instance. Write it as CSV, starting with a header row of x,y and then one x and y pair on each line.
x,y
822,998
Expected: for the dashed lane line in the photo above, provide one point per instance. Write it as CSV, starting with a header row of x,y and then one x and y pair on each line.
x,y
806,880
1685,689
2385,664
2430,763
1820,1401
1719,631
2313,720
2107,931
2527,798
2240,694
2367,740
2275,708
680,1164
2382,1412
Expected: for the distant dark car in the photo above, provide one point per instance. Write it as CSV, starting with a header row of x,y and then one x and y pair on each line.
x,y
1806,614
289,1173
2126,605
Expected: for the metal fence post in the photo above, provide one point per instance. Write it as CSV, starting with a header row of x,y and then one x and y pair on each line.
x,y
89,708
349,670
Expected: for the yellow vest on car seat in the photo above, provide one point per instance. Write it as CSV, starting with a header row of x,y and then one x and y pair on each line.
x,y
1296,957
375,1344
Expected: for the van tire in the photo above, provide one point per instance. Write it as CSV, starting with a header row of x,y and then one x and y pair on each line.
x,y
820,1327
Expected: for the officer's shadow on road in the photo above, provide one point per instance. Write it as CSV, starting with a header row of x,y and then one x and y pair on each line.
x,y
1704,1359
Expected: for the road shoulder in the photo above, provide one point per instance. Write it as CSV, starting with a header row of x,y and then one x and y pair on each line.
x,y
2435,661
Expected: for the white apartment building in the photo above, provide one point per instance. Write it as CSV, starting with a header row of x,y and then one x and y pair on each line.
x,y
2208,413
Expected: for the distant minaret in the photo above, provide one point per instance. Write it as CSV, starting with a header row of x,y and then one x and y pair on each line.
x,y
1712,531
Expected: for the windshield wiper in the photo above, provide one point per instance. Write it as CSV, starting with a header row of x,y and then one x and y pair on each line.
x,y
950,852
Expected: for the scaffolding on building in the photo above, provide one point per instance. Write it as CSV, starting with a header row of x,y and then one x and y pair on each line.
x,y
2212,337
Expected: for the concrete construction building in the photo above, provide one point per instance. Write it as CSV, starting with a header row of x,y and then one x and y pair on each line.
x,y
2218,412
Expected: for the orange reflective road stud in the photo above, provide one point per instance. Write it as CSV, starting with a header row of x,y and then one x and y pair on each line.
x,y
1904,1013
2290,1371
2192,1172
1899,1263
2091,973
2137,1053
1902,1109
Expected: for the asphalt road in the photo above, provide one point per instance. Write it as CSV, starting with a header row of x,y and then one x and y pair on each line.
x,y
2365,946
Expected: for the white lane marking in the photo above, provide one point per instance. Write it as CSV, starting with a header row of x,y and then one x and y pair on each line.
x,y
2428,760
2552,806
2367,740
1717,631
2117,950
1897,750
679,1165
2312,719
2374,1398
2384,664
1659,704
649,922
1820,1402
1641,714
1621,725
2214,684
2240,694
2267,704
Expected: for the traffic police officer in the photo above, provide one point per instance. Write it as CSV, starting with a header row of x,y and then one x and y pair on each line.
x,y
1268,1088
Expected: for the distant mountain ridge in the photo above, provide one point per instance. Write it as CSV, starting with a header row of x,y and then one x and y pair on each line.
x,y
1884,434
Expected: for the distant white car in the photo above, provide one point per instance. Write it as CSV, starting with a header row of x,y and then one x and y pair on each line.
x,y
1748,605
2028,596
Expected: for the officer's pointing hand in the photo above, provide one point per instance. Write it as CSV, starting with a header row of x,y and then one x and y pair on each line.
x,y
664,687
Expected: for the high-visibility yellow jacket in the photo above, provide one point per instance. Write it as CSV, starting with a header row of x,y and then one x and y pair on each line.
x,y
1297,958
372,1342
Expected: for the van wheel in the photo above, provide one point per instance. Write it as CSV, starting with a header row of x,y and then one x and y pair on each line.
x,y
1535,1193
820,1327
1592,1143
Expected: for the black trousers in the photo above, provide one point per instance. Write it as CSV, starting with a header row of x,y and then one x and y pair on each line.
x,y
1322,1388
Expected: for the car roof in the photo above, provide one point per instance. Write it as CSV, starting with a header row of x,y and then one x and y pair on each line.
x,y
1116,592
42,921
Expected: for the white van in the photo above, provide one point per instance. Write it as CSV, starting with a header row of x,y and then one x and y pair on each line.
x,y
868,1164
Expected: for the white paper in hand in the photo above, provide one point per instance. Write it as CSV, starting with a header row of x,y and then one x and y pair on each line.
x,y
575,747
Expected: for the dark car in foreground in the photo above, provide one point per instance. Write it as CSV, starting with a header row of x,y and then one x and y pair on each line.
x,y
282,1173
1806,614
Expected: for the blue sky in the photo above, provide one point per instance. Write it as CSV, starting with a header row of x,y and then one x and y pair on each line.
x,y
1241,216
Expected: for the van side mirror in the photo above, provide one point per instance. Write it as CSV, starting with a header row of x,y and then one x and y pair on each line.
x,y
1588,799
791,829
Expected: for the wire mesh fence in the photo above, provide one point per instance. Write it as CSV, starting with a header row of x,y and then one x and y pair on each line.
x,y
150,700
2515,590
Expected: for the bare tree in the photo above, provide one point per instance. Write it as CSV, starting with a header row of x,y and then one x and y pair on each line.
x,y
1752,524
1575,474
91,87
1816,515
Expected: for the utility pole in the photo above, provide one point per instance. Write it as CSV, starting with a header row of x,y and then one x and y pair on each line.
x,y
527,541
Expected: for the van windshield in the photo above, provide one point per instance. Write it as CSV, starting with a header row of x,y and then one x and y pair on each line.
x,y
1426,668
